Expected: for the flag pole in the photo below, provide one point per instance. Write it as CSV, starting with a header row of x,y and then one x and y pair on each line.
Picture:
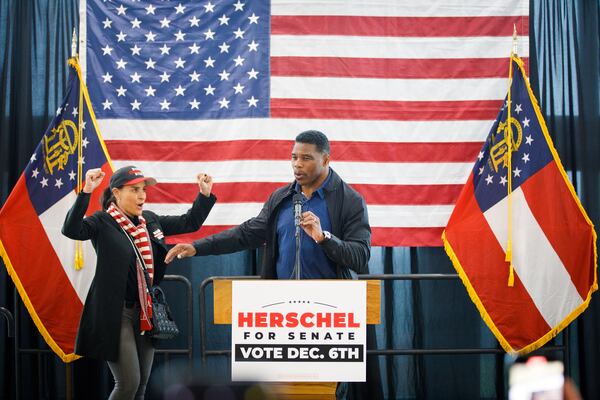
x,y
78,244
509,142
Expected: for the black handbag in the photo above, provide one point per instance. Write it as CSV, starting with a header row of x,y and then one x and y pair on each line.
x,y
163,324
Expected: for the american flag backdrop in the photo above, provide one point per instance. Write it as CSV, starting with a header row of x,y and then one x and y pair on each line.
x,y
405,90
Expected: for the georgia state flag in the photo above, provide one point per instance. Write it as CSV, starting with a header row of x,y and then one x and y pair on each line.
x,y
51,272
539,222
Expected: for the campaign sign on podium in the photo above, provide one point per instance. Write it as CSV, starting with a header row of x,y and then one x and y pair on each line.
x,y
298,330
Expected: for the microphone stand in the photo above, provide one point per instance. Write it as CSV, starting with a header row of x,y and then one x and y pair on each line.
x,y
296,273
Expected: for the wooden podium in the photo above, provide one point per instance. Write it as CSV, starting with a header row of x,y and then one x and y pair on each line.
x,y
295,390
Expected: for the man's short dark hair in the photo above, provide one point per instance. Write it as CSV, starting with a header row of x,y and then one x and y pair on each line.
x,y
315,137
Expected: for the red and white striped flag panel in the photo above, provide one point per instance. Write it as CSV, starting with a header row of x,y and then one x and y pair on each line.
x,y
406,92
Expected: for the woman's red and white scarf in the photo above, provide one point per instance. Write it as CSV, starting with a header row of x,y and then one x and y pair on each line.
x,y
141,240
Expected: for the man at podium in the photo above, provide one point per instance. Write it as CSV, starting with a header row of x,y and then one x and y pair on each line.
x,y
335,236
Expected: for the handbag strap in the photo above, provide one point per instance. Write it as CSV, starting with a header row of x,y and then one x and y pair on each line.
x,y
140,259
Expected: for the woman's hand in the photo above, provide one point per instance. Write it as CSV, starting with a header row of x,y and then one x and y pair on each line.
x,y
93,179
180,250
205,184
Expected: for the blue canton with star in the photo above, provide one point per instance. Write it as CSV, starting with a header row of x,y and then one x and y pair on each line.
x,y
530,154
184,59
51,173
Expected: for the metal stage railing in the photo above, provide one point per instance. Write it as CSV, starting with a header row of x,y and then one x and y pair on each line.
x,y
564,348
40,353
10,322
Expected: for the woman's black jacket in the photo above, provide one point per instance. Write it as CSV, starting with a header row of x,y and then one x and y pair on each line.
x,y
99,326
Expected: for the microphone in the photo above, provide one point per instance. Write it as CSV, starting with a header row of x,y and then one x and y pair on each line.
x,y
297,200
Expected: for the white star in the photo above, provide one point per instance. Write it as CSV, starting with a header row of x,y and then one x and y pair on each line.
x,y
194,76
106,105
480,155
223,20
121,36
59,109
209,7
252,102
179,63
150,36
150,91
518,109
58,183
503,180
75,112
194,21
149,63
164,23
253,19
164,105
121,10
106,50
150,10
224,47
526,122
525,158
528,139
44,182
239,6
179,91
107,78
223,103
481,170
517,172
209,62
195,104
107,23
72,175
121,64
135,23
224,75
180,9
33,157
209,34
135,77
194,49
238,88
164,50
135,105
489,179
164,77
81,161
84,142
238,61
135,50
253,46
179,36
209,90
252,74
239,34
35,173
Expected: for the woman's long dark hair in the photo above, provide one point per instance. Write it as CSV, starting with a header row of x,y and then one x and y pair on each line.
x,y
106,198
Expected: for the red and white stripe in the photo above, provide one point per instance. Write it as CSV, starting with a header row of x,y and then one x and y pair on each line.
x,y
406,92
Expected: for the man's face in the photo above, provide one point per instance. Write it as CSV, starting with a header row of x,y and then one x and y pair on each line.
x,y
308,163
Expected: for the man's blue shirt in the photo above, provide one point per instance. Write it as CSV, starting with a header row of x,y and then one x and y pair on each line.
x,y
314,263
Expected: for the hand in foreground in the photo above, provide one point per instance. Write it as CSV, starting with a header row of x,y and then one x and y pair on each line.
x,y
205,183
181,250
312,226
93,179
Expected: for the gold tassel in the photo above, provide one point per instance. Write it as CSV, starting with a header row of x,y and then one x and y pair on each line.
x,y
78,255
508,259
511,276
